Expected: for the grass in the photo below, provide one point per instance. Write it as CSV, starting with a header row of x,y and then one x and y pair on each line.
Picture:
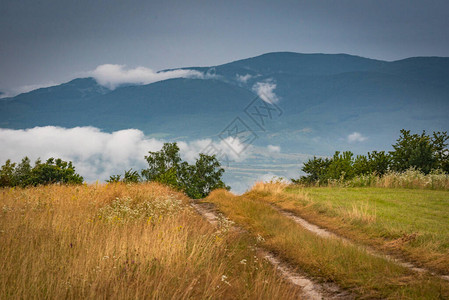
x,y
123,241
411,178
407,222
349,266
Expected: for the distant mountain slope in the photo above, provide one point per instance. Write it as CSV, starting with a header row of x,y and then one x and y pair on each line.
x,y
323,99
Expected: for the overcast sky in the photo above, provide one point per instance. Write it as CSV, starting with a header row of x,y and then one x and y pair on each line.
x,y
52,41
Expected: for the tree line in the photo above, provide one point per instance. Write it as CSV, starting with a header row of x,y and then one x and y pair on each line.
x,y
164,166
51,171
423,152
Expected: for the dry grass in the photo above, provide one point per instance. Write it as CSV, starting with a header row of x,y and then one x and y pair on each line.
x,y
123,241
408,179
328,259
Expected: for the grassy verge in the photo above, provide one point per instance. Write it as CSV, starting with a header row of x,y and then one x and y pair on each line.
x,y
123,241
408,222
329,259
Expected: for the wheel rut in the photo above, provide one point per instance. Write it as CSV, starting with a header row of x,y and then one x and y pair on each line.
x,y
328,234
311,288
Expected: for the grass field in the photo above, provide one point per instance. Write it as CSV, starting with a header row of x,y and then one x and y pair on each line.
x,y
350,266
123,241
413,223
145,241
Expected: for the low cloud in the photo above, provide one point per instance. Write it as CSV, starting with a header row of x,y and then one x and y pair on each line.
x,y
356,137
274,149
111,76
243,78
265,90
95,154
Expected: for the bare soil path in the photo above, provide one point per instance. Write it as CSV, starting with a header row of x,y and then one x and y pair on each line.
x,y
311,288
328,234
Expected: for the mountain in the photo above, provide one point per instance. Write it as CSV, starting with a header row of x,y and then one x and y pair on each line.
x,y
322,99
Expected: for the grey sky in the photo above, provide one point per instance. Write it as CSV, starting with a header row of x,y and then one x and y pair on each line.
x,y
57,40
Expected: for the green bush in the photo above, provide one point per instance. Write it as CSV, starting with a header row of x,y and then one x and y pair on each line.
x,y
422,152
52,171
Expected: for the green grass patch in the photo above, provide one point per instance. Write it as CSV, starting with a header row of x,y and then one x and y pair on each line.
x,y
409,222
327,259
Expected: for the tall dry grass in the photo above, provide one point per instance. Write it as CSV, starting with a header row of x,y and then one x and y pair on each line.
x,y
123,241
408,179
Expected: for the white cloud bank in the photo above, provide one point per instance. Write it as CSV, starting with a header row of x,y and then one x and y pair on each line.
x,y
95,154
265,90
356,137
111,75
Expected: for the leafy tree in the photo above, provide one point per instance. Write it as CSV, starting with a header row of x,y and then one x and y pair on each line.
x,y
164,165
203,177
341,166
131,176
52,171
22,173
420,151
379,162
114,178
197,181
316,168
375,162
7,174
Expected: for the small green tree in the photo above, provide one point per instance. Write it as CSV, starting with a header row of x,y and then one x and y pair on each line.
x,y
22,173
7,174
420,151
197,181
341,166
52,171
317,170
203,177
164,165
114,178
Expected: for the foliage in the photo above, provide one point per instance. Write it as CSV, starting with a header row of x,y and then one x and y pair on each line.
x,y
130,176
422,152
197,181
52,171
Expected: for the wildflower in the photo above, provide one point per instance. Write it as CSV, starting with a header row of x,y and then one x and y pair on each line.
x,y
243,262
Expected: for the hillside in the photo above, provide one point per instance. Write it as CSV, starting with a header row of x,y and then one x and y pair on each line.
x,y
322,100
328,95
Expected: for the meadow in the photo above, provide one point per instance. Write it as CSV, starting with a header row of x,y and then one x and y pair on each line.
x,y
403,220
146,241
124,241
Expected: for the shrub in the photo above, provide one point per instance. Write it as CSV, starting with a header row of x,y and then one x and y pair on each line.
x,y
52,171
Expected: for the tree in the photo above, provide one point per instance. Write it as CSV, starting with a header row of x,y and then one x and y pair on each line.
x,y
420,151
316,168
379,162
203,177
197,181
22,173
130,176
164,165
7,174
52,171
341,166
